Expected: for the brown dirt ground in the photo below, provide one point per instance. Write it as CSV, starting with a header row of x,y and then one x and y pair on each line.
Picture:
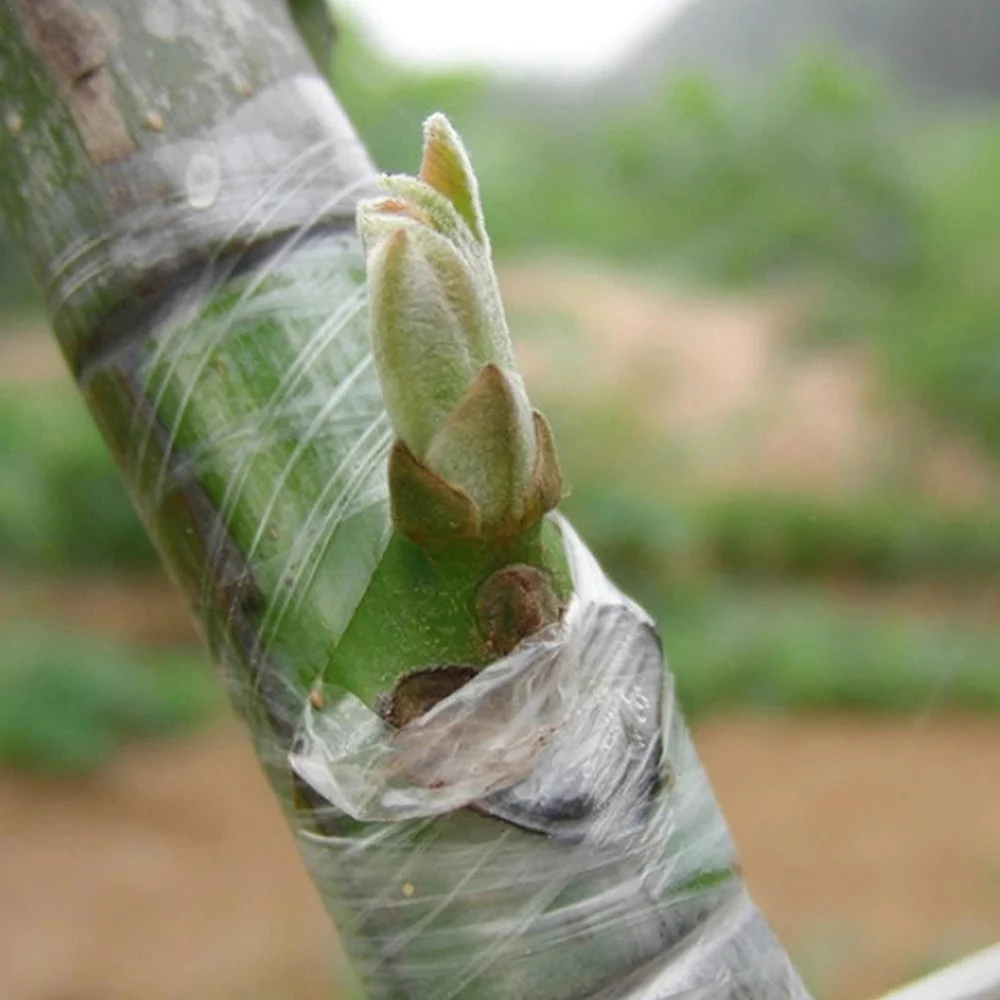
x,y
721,376
873,846
144,610
28,355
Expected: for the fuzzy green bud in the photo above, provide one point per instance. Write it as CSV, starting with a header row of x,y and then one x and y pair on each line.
x,y
472,459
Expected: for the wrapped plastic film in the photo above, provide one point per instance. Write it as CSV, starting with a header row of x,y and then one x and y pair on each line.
x,y
547,831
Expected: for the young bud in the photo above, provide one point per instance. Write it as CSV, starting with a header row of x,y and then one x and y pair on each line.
x,y
472,459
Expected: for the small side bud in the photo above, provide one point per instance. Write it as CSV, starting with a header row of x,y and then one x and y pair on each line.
x,y
547,476
513,604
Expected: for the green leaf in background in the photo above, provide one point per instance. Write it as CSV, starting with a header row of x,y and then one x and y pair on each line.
x,y
68,701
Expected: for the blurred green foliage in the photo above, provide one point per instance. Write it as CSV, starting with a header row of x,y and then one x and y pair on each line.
x,y
713,187
67,701
710,184
873,538
62,504
937,328
783,650
786,536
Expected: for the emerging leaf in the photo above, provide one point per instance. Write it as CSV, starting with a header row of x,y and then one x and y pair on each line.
x,y
446,168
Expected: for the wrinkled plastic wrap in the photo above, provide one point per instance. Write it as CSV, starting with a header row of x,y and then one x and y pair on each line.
x,y
547,831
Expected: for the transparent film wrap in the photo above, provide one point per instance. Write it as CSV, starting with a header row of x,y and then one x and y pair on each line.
x,y
546,831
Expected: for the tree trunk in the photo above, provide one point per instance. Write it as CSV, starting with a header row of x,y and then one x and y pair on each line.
x,y
184,186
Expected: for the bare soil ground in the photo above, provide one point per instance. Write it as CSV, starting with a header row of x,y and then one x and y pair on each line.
x,y
873,846
146,610
168,876
28,355
724,377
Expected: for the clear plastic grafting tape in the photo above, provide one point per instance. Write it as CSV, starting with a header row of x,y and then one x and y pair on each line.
x,y
545,832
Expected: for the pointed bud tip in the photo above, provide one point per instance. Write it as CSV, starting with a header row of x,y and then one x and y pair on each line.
x,y
439,134
492,378
446,168
439,125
